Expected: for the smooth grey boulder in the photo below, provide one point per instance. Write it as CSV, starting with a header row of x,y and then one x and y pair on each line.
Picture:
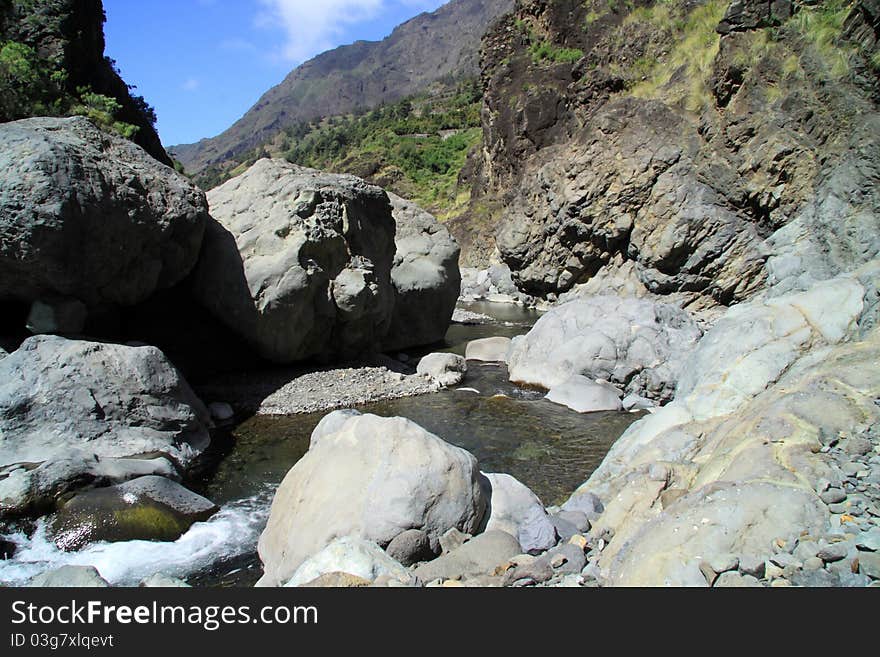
x,y
478,556
147,508
372,478
351,555
70,577
298,262
635,344
425,275
585,396
445,369
74,412
511,503
489,350
410,547
89,216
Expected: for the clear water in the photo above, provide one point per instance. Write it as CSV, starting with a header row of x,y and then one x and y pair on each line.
x,y
509,429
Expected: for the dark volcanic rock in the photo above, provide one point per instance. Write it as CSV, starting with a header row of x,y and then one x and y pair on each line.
x,y
90,216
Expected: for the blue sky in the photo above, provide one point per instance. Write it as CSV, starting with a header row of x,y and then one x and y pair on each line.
x,y
204,63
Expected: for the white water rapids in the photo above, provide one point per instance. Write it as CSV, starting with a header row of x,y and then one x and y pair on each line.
x,y
231,532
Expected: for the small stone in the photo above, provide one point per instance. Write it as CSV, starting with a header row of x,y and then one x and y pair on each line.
x,y
813,563
410,547
564,529
771,570
221,411
833,552
869,564
785,560
566,559
833,496
453,539
735,580
452,584
838,508
578,540
159,581
857,446
752,565
869,541
806,549
576,518
780,583
817,578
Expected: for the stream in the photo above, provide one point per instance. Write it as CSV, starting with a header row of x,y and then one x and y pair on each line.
x,y
509,429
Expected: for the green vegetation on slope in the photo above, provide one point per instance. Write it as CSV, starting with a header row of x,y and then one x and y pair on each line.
x,y
415,148
30,86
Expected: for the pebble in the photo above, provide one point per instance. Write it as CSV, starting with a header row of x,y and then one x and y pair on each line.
x,y
869,564
869,540
833,496
752,565
833,552
735,580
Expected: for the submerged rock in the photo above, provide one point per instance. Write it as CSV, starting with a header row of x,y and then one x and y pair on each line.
x,y
147,508
298,262
585,396
425,275
88,217
445,369
75,412
371,478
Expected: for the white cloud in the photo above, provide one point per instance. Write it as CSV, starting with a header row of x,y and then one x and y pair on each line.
x,y
192,84
312,26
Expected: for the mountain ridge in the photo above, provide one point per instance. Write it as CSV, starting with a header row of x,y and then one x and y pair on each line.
x,y
440,47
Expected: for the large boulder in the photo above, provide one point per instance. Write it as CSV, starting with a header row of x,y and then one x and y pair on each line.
x,y
425,275
74,412
298,262
636,344
732,466
373,478
89,216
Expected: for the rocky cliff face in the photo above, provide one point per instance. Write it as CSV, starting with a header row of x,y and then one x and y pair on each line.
x,y
432,48
66,38
722,148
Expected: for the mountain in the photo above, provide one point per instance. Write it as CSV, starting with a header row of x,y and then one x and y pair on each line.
x,y
52,62
436,48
